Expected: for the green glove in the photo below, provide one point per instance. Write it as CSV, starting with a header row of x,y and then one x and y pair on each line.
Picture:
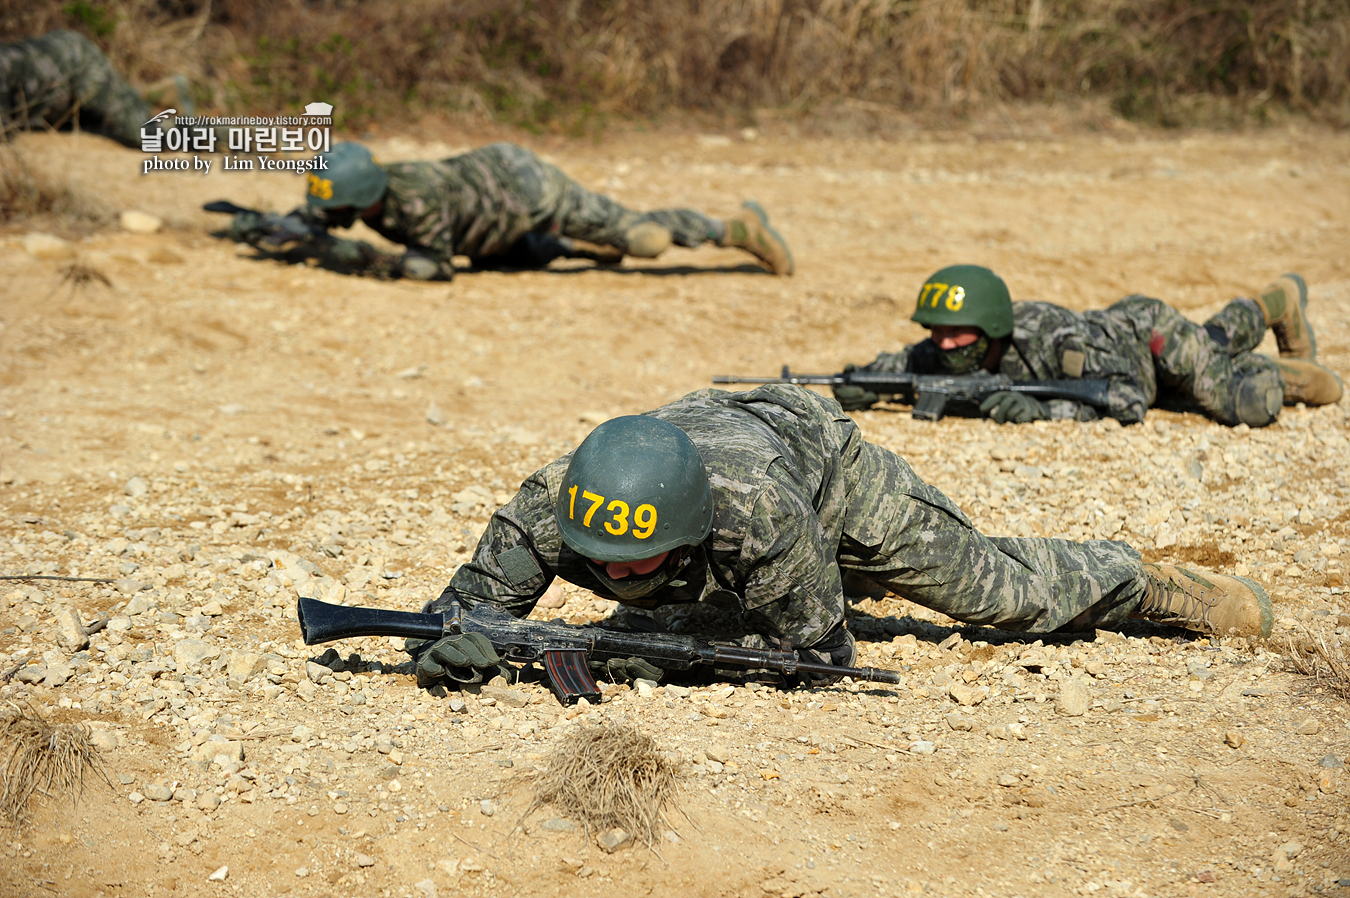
x,y
853,398
1014,408
462,658
246,227
626,670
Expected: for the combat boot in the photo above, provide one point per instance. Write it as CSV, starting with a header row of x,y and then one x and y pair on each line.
x,y
599,253
1284,302
1308,382
1214,604
750,231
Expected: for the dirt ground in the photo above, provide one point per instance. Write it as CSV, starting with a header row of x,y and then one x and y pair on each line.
x,y
218,432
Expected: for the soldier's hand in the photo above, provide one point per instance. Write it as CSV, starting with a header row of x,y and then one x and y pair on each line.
x,y
246,227
1014,408
462,658
626,670
853,398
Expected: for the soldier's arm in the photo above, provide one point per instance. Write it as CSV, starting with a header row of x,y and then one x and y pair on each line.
x,y
793,588
516,556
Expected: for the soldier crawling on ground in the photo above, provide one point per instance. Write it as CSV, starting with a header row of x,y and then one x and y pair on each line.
x,y
773,499
500,205
1145,349
62,80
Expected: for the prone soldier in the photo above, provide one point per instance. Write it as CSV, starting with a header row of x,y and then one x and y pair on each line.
x,y
61,79
773,498
1145,349
500,205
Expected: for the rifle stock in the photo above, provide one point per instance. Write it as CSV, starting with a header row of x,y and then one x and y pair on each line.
x,y
930,393
565,650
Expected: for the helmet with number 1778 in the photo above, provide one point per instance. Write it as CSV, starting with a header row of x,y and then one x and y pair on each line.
x,y
636,487
965,295
349,177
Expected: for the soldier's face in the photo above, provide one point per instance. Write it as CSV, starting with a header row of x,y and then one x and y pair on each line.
x,y
948,337
619,570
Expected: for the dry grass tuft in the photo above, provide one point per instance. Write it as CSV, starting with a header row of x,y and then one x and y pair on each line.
x,y
1311,656
78,274
31,197
607,776
41,759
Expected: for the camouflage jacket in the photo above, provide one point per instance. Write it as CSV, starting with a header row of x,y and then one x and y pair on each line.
x,y
787,486
1049,342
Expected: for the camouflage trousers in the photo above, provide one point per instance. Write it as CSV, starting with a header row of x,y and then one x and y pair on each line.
x,y
62,79
560,206
1202,364
907,537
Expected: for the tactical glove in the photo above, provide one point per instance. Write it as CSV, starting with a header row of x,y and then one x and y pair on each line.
x,y
462,658
853,398
1014,408
836,648
626,670
246,227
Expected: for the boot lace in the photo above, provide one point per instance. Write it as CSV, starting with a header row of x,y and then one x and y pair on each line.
x,y
1169,601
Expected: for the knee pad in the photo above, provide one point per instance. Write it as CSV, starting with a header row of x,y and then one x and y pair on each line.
x,y
646,240
1257,398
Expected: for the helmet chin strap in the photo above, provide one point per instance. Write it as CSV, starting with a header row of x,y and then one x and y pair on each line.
x,y
964,359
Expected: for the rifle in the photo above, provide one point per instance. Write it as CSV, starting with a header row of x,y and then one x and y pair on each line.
x,y
563,649
930,393
277,230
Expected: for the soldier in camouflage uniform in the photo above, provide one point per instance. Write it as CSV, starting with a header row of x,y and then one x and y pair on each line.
x,y
773,497
502,206
1144,348
61,79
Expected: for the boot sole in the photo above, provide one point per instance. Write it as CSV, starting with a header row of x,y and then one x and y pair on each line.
x,y
1262,602
1303,310
764,222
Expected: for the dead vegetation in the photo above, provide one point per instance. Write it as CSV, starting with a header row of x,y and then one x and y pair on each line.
x,y
608,776
542,63
32,198
1310,654
41,759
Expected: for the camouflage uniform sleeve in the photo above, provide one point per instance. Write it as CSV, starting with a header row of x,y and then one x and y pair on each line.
x,y
517,555
916,358
792,582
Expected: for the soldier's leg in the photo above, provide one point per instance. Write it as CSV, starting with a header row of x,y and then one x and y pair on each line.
x,y
106,102
596,218
1192,363
907,536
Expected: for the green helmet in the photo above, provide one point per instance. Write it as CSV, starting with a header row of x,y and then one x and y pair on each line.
x,y
351,178
965,295
636,487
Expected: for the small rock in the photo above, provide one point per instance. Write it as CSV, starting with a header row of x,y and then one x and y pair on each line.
x,y
1310,727
611,840
511,698
1290,850
1074,698
138,222
1331,762
365,860
242,666
922,747
553,597
70,633
219,875
1008,780
1206,876
958,721
190,653
135,798
718,753
968,695
488,807
427,887
435,417
1234,739
671,689
47,247
558,825
136,487
157,792
316,672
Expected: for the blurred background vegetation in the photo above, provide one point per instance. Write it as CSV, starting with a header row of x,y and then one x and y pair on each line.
x,y
573,65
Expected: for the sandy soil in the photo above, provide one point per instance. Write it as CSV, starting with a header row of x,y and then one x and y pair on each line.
x,y
210,422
